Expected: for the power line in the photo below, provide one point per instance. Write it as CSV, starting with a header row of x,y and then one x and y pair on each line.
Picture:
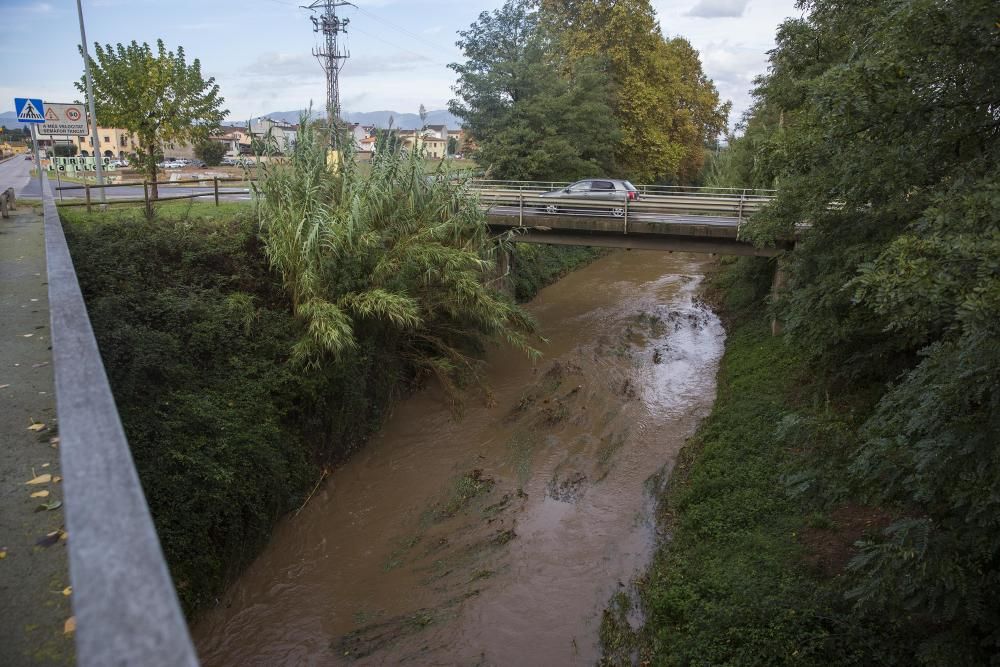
x,y
397,27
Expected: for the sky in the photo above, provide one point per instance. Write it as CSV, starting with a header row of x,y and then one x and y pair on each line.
x,y
259,51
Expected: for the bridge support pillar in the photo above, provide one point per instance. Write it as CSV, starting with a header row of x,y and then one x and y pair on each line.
x,y
778,285
503,278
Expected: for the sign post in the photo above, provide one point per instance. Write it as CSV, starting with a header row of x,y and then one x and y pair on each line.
x,y
32,110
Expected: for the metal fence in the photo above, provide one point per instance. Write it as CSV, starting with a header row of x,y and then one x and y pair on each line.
x,y
147,200
126,608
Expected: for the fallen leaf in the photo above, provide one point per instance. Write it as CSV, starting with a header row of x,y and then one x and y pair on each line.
x,y
4,386
37,426
46,465
70,625
41,479
27,335
56,479
54,441
3,553
44,363
49,539
40,494
49,506
68,591
63,535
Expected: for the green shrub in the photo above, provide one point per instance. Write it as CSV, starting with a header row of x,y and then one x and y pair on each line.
x,y
196,336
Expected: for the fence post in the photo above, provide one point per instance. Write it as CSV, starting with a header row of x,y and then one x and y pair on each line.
x,y
86,191
215,180
625,228
520,210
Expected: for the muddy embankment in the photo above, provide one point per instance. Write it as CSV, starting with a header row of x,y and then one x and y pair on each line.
x,y
497,538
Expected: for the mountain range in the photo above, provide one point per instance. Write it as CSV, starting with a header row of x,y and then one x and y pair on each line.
x,y
402,121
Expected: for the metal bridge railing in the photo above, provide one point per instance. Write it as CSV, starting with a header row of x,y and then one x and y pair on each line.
x,y
679,206
126,608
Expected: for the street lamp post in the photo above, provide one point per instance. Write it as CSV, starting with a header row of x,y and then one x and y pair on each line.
x,y
90,102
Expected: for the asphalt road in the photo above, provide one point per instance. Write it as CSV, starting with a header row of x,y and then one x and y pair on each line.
x,y
15,173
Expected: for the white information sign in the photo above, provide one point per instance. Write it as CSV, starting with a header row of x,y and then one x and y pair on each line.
x,y
64,120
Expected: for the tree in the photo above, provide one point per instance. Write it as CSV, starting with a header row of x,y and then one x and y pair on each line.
x,y
667,109
530,119
210,151
889,110
157,96
452,145
64,150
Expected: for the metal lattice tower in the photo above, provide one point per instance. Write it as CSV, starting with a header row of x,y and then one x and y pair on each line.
x,y
330,54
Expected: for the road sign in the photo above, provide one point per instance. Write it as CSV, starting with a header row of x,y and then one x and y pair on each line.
x,y
64,119
29,110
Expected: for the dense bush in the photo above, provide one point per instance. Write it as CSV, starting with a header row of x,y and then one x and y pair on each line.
x,y
196,335
878,123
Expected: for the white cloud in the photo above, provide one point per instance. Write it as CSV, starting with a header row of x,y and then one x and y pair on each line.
x,y
711,9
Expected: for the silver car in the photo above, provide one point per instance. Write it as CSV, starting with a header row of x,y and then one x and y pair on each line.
x,y
593,189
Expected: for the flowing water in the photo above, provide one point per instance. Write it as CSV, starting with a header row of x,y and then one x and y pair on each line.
x,y
496,538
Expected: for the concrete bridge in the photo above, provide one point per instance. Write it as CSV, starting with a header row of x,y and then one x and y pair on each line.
x,y
708,220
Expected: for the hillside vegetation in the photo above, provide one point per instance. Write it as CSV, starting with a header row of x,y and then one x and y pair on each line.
x,y
841,504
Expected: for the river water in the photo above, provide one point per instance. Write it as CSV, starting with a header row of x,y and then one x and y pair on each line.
x,y
497,537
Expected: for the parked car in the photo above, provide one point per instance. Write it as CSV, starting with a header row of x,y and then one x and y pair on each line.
x,y
196,163
28,157
229,162
593,189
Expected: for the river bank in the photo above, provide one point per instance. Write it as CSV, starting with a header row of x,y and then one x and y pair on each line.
x,y
753,562
195,332
497,537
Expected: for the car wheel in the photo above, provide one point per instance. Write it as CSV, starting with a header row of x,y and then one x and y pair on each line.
x,y
552,208
618,211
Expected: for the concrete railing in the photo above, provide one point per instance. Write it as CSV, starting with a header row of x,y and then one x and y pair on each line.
x,y
126,608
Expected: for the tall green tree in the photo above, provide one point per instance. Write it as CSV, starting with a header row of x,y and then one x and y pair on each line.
x,y
156,95
666,107
530,118
890,110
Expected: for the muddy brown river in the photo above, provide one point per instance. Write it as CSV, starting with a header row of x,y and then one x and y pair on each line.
x,y
496,538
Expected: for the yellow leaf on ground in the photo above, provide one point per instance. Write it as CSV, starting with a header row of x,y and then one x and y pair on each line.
x,y
37,426
27,335
3,554
68,591
40,494
41,479
56,479
46,465
70,625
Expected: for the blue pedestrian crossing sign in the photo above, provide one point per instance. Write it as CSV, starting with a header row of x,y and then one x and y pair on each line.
x,y
29,110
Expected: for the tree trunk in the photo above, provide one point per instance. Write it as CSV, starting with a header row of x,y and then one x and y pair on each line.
x,y
151,171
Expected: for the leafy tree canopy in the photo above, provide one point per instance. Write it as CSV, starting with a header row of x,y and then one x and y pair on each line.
x,y
157,96
889,110
530,119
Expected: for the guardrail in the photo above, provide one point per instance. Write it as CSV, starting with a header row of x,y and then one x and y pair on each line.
x,y
548,186
146,185
734,208
126,608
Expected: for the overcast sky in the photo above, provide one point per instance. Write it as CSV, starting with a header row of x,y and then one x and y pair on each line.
x,y
259,50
